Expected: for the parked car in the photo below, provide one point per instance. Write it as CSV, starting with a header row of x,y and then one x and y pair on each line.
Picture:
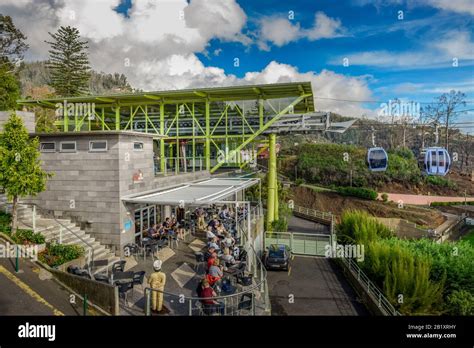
x,y
277,256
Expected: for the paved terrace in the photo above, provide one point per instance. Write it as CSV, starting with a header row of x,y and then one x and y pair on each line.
x,y
182,277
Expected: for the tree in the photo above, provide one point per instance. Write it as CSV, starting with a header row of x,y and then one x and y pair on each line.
x,y
12,43
20,170
445,110
9,89
69,63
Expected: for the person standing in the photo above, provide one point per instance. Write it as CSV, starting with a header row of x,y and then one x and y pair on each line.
x,y
157,282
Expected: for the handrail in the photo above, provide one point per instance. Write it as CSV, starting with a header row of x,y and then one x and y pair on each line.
x,y
91,249
313,212
383,303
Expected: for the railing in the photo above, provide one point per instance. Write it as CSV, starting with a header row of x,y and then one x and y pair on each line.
x,y
311,244
313,213
35,208
369,287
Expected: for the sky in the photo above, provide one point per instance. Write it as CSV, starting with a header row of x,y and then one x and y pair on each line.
x,y
358,54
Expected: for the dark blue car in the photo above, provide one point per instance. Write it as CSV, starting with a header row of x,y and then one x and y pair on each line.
x,y
277,256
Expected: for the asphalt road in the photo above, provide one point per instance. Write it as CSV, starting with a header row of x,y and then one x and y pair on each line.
x,y
297,224
32,291
312,286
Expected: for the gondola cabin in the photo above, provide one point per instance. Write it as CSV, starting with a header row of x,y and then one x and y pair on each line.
x,y
435,161
377,159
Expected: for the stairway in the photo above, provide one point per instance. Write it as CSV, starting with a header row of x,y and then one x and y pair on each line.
x,y
71,234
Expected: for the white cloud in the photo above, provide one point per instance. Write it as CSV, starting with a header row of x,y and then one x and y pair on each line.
x,y
436,53
459,6
161,45
281,31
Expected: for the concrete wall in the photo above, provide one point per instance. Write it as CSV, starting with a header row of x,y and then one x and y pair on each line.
x,y
403,228
28,119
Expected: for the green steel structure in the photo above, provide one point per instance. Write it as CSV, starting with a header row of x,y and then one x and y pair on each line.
x,y
201,128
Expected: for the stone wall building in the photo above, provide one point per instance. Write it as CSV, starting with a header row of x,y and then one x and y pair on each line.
x,y
92,171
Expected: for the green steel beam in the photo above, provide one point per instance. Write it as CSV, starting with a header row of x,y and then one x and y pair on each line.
x,y
117,118
162,140
264,128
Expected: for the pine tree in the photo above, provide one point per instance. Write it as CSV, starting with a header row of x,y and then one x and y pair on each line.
x,y
69,63
20,170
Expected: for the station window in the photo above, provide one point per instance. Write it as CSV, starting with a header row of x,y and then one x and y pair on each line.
x,y
48,147
98,146
138,146
67,146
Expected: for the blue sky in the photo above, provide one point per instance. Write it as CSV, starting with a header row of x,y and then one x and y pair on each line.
x,y
172,44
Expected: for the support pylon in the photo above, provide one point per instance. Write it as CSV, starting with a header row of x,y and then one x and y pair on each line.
x,y
271,180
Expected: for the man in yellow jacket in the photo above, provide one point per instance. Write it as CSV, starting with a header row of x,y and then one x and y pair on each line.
x,y
157,281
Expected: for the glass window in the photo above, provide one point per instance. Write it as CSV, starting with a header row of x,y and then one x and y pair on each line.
x,y
433,159
98,146
67,146
441,158
48,147
138,146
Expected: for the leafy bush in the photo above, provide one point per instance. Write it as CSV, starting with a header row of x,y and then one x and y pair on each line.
x,y
298,182
360,192
439,181
360,228
57,254
433,278
280,225
445,204
5,220
384,197
460,303
28,236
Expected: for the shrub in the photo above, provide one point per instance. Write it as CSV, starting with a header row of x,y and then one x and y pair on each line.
x,y
439,181
460,303
57,254
28,236
360,192
361,228
384,197
280,225
299,182
445,204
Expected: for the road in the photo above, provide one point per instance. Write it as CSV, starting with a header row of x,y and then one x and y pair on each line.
x,y
32,291
423,199
297,224
312,286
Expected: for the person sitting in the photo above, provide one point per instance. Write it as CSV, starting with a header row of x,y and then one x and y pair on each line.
x,y
167,227
228,258
228,241
209,253
151,231
209,234
213,223
213,244
206,293
211,260
215,272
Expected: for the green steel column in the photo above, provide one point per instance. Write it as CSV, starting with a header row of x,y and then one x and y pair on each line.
x,y
276,216
207,149
260,111
66,120
271,181
162,140
117,118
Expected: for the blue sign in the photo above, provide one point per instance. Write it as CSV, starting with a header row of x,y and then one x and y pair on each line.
x,y
128,225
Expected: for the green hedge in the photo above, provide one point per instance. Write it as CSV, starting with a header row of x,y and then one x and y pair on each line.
x,y
360,192
445,204
57,254
28,236
440,181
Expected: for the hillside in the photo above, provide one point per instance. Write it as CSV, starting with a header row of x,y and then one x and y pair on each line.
x,y
337,204
345,165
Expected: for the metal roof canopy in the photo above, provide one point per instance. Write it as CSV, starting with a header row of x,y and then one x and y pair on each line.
x,y
195,193
244,92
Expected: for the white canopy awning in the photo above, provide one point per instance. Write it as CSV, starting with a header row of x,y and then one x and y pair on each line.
x,y
195,193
